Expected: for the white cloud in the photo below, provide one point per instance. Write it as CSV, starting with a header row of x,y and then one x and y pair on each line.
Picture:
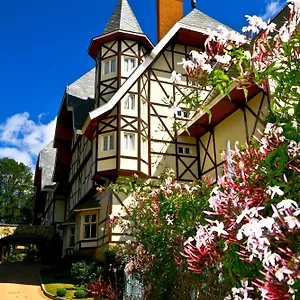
x,y
18,155
273,7
22,139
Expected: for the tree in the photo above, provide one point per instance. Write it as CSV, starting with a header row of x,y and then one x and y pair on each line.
x,y
16,192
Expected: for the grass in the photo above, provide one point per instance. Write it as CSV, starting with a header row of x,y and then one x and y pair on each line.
x,y
52,282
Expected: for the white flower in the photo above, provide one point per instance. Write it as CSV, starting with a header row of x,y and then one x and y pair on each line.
x,y
207,68
175,77
247,54
223,59
286,204
267,222
281,271
295,2
270,258
219,228
268,128
188,241
175,108
128,242
256,21
186,64
284,34
292,222
112,216
273,190
264,293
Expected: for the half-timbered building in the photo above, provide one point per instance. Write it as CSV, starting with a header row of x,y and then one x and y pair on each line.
x,y
116,120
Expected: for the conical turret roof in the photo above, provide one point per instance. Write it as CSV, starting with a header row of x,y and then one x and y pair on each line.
x,y
124,19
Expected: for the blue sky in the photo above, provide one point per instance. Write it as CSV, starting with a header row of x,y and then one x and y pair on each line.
x,y
43,48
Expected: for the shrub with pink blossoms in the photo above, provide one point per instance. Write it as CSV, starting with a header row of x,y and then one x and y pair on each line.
x,y
253,225
160,217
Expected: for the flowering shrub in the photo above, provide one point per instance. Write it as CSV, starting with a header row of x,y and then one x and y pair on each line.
x,y
161,216
254,212
102,288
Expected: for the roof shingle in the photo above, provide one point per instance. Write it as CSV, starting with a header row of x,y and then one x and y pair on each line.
x,y
198,19
81,97
123,18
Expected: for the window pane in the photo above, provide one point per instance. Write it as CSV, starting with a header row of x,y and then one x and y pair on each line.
x,y
126,67
113,66
93,230
93,218
86,219
126,104
132,102
105,143
106,67
87,231
111,142
180,149
187,150
131,143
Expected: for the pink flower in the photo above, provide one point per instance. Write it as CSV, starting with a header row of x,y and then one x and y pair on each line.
x,y
129,268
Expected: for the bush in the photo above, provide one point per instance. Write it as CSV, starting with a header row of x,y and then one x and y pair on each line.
x,y
80,294
85,273
61,292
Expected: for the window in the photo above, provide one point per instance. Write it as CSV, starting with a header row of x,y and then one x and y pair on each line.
x,y
109,66
182,114
108,142
184,150
129,64
144,107
90,226
72,237
130,102
144,146
129,141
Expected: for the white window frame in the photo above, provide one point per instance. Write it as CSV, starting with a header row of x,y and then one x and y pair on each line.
x,y
129,141
129,64
110,144
90,223
129,103
109,66
184,150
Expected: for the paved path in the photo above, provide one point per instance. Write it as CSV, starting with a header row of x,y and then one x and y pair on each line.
x,y
20,282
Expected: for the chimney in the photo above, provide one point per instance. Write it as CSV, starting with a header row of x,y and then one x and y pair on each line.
x,y
168,13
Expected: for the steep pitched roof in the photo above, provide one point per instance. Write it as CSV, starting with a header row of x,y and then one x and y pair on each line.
x,y
123,18
83,87
46,163
200,20
81,97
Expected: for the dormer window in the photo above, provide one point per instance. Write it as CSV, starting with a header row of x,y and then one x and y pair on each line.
x,y
129,64
130,102
109,66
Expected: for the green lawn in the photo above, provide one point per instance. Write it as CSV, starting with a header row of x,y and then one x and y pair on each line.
x,y
53,282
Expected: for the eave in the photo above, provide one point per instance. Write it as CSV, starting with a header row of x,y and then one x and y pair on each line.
x,y
96,42
221,107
